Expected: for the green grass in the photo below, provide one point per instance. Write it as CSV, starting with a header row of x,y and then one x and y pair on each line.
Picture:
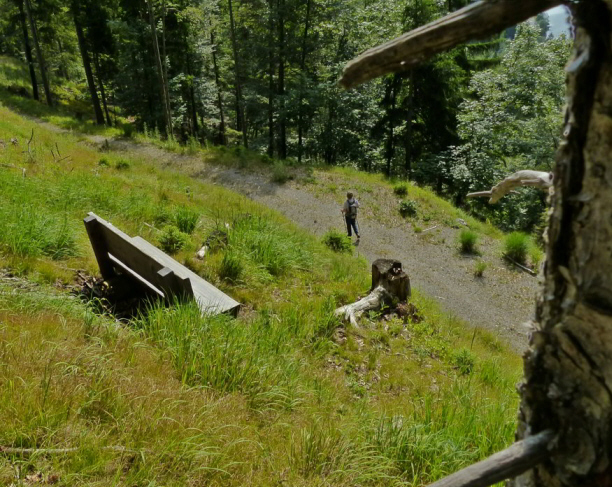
x,y
408,208
479,267
516,246
283,394
467,241
338,241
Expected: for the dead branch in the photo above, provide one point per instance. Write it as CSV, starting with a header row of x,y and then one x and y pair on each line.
x,y
538,179
520,266
475,21
374,300
511,462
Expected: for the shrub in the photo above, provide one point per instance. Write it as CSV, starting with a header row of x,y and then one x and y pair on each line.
x,y
337,241
401,189
122,164
463,361
231,268
103,162
515,247
172,239
467,241
535,256
408,208
479,268
280,173
186,219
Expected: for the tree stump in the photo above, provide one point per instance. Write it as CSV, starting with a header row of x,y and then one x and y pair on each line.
x,y
389,283
389,274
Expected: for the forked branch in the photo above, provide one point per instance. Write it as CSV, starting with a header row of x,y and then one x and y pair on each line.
x,y
538,179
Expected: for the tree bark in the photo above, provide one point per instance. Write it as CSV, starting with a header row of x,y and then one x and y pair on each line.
x,y
271,79
95,101
28,50
222,139
303,72
568,371
102,91
282,119
160,71
39,55
240,117
409,126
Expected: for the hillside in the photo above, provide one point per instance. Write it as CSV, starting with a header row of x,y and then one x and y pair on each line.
x,y
283,395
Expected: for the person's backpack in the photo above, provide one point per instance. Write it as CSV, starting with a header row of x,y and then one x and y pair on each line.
x,y
352,208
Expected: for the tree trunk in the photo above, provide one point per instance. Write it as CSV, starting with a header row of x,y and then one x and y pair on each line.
x,y
568,371
303,72
160,72
165,64
271,79
222,139
282,120
39,54
102,91
28,50
95,101
409,126
240,117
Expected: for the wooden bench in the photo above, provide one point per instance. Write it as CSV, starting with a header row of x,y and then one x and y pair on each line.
x,y
119,254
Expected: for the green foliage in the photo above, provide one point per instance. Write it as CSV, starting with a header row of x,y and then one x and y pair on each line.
x,y
232,268
171,239
122,164
103,162
516,245
479,267
280,173
467,241
401,189
186,219
337,241
408,208
464,361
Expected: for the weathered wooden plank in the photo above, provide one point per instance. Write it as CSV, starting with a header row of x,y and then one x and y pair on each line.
x,y
152,267
98,243
511,462
476,21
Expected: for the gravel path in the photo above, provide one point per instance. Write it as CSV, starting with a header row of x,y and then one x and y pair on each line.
x,y
501,302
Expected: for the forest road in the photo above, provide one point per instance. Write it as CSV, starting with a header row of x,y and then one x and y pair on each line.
x,y
502,302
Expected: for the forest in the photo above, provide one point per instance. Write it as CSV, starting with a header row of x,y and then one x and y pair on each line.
x,y
263,75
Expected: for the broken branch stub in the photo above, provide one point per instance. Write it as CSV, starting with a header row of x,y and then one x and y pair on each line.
x,y
537,179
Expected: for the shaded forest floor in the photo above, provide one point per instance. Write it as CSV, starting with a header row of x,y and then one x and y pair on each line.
x,y
501,301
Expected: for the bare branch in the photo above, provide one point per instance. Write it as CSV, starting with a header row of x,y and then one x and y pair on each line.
x,y
539,179
475,21
511,462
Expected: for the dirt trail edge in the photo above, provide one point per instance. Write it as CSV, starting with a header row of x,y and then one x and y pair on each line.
x,y
501,302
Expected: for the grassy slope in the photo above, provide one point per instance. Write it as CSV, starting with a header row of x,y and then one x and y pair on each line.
x,y
271,398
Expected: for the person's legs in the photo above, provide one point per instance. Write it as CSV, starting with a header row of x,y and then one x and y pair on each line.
x,y
355,227
348,225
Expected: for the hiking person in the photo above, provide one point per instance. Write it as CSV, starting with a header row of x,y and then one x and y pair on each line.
x,y
350,214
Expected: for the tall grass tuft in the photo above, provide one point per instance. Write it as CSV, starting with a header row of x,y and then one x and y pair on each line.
x,y
186,219
516,246
401,189
467,241
172,240
338,241
232,268
408,208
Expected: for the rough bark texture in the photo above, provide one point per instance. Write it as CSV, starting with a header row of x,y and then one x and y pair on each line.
x,y
28,50
388,273
568,371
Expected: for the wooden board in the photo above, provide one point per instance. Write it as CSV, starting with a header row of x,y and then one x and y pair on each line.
x,y
137,259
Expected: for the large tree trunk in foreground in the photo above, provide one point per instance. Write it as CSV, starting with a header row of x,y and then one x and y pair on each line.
x,y
568,371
